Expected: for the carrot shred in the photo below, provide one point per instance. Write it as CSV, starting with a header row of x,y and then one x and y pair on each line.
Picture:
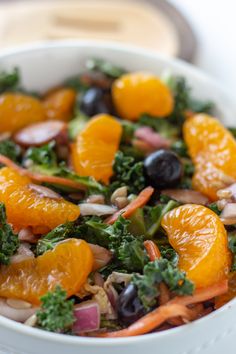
x,y
202,294
152,320
40,178
152,250
197,309
138,202
175,308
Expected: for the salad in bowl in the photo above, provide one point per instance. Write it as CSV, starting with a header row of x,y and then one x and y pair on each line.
x,y
117,204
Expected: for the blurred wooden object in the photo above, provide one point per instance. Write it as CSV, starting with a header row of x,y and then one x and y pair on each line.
x,y
151,24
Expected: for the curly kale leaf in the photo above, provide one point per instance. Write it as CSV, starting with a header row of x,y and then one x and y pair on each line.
x,y
10,149
56,313
161,270
154,215
60,233
105,67
43,156
128,251
9,241
44,160
128,173
9,81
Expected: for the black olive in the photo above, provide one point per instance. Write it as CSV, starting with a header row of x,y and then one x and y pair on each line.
x,y
163,169
93,102
129,307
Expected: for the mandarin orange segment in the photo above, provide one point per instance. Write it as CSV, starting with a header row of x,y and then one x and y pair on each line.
x,y
59,104
18,110
95,147
67,265
139,92
231,293
212,149
200,239
25,207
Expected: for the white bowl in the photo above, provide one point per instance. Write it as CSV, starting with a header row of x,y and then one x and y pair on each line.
x,y
44,65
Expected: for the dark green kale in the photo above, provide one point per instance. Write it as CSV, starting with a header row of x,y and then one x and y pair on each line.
x,y
128,172
128,129
56,313
128,250
170,254
188,168
180,148
232,247
60,233
44,160
9,81
9,241
154,215
181,93
105,67
200,106
10,149
214,207
43,156
161,270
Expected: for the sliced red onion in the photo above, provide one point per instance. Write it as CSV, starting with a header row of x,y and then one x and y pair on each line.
x,y
44,192
118,278
151,137
98,279
102,256
112,296
40,133
96,209
87,315
228,214
19,315
186,196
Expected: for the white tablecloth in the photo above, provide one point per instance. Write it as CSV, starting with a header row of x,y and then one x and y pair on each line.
x,y
214,22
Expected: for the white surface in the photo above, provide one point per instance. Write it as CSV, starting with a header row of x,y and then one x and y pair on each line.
x,y
215,26
214,334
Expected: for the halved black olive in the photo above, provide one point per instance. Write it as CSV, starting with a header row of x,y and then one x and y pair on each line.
x,y
129,307
93,102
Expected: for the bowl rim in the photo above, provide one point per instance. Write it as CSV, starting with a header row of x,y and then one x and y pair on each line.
x,y
129,49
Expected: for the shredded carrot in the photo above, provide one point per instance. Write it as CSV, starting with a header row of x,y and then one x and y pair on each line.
x,y
196,312
175,308
203,294
138,202
40,178
152,320
152,250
